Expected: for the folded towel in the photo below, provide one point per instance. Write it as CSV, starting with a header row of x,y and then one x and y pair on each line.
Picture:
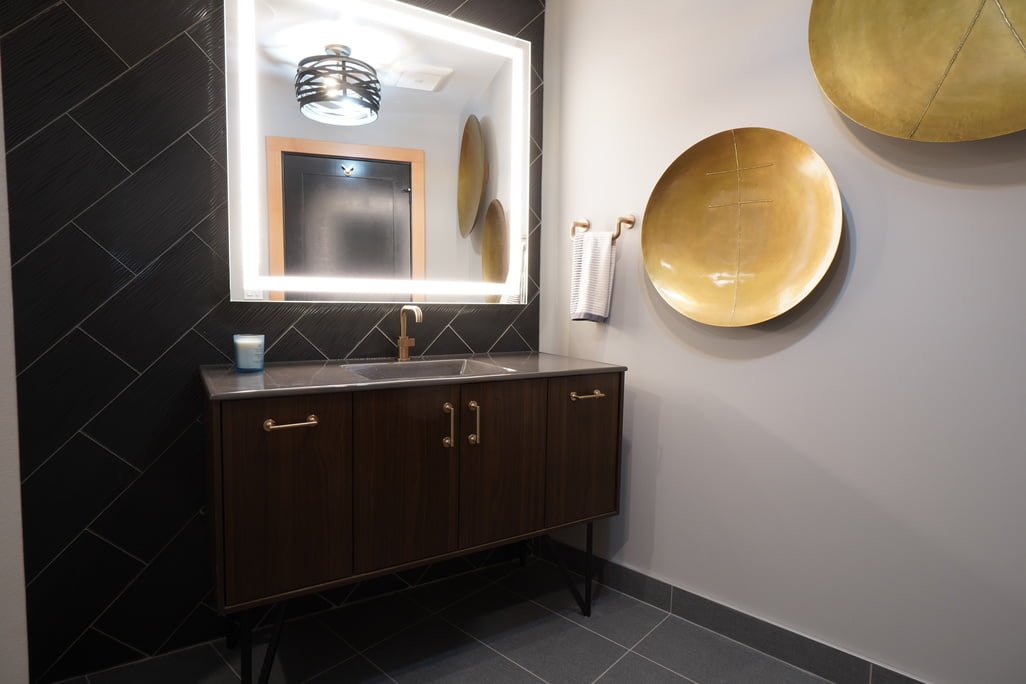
x,y
591,280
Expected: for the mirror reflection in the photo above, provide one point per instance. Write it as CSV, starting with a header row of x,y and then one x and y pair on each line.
x,y
378,153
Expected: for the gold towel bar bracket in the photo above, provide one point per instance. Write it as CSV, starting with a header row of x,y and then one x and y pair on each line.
x,y
622,222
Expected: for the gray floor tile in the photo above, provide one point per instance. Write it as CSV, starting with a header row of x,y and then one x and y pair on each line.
x,y
307,647
616,616
548,645
198,665
354,671
437,596
634,669
435,651
365,624
802,652
709,658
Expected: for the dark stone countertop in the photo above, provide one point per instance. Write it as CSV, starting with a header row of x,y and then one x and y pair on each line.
x,y
318,377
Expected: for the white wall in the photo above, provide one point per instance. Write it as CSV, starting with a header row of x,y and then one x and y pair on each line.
x,y
853,471
13,639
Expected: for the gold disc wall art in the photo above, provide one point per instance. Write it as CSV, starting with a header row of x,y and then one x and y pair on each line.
x,y
741,227
930,70
495,244
473,174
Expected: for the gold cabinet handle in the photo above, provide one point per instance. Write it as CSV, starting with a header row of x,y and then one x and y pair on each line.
x,y
450,441
271,426
476,437
597,394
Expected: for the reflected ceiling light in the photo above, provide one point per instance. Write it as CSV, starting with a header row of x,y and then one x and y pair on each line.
x,y
336,89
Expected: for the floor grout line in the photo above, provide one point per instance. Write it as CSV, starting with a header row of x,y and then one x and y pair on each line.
x,y
631,649
223,659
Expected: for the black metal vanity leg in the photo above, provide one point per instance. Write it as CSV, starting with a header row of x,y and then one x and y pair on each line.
x,y
583,603
272,648
522,551
586,608
245,632
231,632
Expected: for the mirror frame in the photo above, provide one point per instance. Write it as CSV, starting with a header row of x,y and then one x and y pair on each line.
x,y
245,146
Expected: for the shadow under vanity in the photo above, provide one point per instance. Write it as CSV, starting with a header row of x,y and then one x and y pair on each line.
x,y
320,476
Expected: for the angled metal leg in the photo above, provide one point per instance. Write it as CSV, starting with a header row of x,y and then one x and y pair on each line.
x,y
522,552
583,602
272,648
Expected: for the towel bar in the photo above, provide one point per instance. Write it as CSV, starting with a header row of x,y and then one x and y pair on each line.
x,y
621,221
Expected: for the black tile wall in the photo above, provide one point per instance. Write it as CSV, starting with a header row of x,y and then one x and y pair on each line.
x,y
52,178
51,64
115,138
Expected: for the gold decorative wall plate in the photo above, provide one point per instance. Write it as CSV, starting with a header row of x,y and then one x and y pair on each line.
x,y
741,227
495,244
931,70
473,174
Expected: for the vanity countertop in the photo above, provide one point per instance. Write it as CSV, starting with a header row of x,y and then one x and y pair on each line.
x,y
315,377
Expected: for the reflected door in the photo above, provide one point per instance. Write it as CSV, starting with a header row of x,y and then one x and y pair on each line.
x,y
346,216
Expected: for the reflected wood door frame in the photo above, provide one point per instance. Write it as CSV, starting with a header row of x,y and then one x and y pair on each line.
x,y
277,146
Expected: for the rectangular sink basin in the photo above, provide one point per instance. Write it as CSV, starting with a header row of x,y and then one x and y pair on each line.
x,y
412,370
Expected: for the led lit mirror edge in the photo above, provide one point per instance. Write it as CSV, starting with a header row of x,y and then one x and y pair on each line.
x,y
244,167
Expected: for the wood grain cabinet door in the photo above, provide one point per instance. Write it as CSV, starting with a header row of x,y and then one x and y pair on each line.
x,y
502,471
405,505
583,454
287,494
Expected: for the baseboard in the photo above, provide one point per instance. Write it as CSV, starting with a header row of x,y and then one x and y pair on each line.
x,y
800,651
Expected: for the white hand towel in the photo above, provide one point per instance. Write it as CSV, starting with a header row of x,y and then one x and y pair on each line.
x,y
591,280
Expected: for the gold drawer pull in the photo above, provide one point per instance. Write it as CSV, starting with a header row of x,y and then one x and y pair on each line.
x,y
597,394
476,437
450,441
271,426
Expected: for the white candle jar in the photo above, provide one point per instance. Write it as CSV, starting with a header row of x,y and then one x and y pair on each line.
x,y
249,353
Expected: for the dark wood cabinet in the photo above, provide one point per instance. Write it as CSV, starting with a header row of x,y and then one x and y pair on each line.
x,y
502,472
393,478
583,451
287,508
405,507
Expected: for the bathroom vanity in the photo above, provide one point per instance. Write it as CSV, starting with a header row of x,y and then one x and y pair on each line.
x,y
327,473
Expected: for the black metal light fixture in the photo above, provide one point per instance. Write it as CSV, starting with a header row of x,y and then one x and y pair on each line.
x,y
336,89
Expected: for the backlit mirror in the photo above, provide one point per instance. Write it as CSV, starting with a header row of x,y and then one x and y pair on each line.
x,y
373,212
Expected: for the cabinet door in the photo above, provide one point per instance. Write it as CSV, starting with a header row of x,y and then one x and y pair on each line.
x,y
502,472
583,455
405,505
287,494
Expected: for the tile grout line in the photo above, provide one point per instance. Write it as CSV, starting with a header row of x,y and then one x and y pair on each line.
x,y
110,451
115,639
117,497
101,88
121,593
105,250
95,140
300,333
32,18
107,349
123,181
206,55
202,147
97,34
178,626
224,660
630,650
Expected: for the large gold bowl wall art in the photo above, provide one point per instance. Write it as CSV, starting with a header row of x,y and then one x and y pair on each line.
x,y
473,174
930,70
741,227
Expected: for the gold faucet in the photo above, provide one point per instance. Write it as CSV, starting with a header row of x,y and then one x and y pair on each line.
x,y
406,342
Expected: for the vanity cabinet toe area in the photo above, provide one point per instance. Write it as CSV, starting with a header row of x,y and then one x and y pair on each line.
x,y
321,484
